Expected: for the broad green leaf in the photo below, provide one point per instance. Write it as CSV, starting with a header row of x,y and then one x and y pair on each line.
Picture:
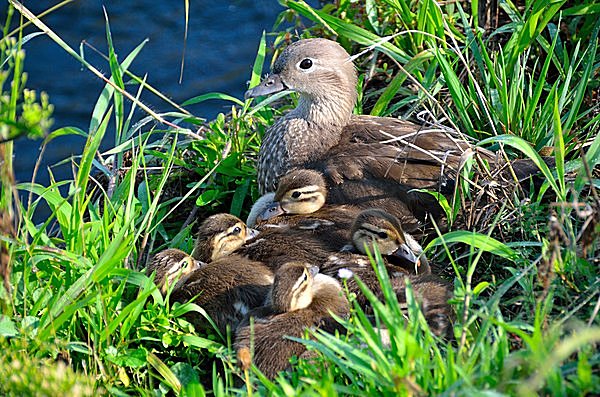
x,y
476,240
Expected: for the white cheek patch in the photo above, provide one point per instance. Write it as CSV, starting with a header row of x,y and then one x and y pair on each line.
x,y
413,244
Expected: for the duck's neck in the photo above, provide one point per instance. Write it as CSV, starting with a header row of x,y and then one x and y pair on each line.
x,y
330,112
315,126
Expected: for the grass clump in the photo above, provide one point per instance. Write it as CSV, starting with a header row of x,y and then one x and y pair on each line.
x,y
79,316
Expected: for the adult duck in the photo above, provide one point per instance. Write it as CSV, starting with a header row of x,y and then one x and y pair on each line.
x,y
364,159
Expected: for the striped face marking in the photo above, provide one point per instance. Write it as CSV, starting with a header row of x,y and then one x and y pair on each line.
x,y
304,200
230,240
370,234
302,291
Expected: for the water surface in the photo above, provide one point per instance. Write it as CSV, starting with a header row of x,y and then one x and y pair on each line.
x,y
223,38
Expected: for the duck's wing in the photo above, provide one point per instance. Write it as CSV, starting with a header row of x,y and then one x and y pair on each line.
x,y
380,161
398,150
368,176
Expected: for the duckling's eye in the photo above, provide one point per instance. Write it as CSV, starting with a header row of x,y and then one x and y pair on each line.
x,y
306,64
236,230
295,195
382,235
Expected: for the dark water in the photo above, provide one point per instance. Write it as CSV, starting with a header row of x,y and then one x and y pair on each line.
x,y
223,38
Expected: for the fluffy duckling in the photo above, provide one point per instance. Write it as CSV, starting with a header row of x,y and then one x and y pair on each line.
x,y
299,204
220,235
304,191
376,227
229,285
300,299
301,192
169,265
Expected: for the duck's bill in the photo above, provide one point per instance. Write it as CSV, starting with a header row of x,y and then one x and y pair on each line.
x,y
251,233
271,211
270,85
405,252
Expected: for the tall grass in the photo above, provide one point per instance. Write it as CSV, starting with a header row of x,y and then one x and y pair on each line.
x,y
526,283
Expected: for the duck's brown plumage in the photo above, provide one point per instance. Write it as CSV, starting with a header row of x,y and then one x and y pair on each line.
x,y
230,285
363,158
272,349
227,289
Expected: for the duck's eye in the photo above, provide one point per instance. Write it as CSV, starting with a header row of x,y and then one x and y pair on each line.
x,y
236,230
295,195
306,64
382,235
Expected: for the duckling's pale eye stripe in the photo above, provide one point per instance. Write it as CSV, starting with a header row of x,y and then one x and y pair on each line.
x,y
176,267
310,189
298,282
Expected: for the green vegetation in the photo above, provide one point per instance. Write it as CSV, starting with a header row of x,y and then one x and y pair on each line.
x,y
79,318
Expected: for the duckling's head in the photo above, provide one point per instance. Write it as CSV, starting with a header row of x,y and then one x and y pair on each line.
x,y
170,264
220,235
301,191
322,72
375,226
293,286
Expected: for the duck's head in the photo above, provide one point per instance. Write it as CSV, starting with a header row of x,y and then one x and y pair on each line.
x,y
322,72
300,191
293,286
375,226
170,264
220,235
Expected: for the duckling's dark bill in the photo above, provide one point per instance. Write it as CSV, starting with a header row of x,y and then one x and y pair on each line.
x,y
405,252
270,85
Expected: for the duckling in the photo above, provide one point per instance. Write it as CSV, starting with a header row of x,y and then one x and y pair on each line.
x,y
227,289
169,264
376,227
220,235
300,298
299,204
229,285
301,192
